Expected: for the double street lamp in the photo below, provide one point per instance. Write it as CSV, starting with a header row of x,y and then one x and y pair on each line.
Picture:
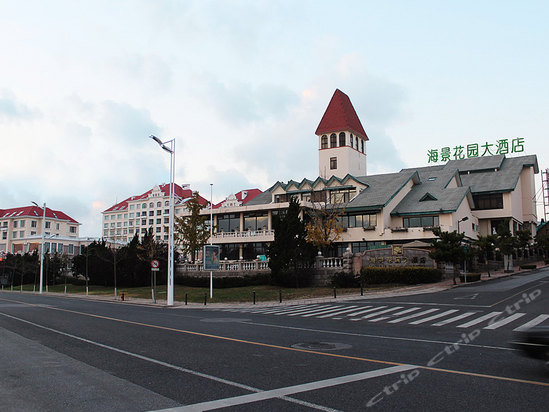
x,y
169,146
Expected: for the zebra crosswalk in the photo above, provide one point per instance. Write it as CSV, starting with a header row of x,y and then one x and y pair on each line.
x,y
415,315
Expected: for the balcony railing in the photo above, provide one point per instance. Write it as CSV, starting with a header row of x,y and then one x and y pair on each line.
x,y
228,266
245,234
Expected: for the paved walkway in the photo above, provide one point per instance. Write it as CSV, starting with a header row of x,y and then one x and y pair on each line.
x,y
384,293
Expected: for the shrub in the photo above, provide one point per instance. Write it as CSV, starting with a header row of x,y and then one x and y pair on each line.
x,y
402,275
528,266
345,280
289,279
224,282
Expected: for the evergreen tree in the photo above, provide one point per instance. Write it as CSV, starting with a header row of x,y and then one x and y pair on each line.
x,y
193,231
290,255
448,249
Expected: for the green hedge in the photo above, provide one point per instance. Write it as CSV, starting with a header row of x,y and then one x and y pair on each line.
x,y
224,282
402,275
528,266
345,280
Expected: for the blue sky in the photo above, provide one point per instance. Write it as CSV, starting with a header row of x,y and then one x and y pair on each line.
x,y
242,85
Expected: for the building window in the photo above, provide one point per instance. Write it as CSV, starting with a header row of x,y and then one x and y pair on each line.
x,y
151,204
228,222
159,212
14,234
362,220
143,222
159,221
151,212
34,223
489,201
333,163
21,233
143,206
151,222
131,207
324,142
71,249
22,223
255,221
342,139
352,140
166,211
362,144
72,229
48,225
356,141
333,140
158,204
119,216
420,221
15,224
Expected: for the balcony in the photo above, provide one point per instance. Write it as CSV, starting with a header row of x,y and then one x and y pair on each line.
x,y
246,236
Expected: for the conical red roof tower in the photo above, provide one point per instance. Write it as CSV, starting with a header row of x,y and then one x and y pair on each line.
x,y
340,115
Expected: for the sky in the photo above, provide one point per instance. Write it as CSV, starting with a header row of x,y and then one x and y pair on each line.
x,y
242,85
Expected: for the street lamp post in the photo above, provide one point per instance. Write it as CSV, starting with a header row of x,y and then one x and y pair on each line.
x,y
211,235
42,245
171,151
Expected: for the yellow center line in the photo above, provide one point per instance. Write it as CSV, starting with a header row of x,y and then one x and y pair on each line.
x,y
286,348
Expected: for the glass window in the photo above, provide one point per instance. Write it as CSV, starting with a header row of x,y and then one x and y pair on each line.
x,y
342,139
420,221
159,221
22,223
362,143
151,204
229,222
72,229
352,140
333,140
333,163
255,221
143,206
33,223
151,212
324,142
158,212
15,224
158,204
151,222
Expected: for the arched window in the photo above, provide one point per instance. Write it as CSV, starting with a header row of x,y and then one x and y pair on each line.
x,y
158,204
352,140
342,139
151,204
333,140
362,146
324,142
356,141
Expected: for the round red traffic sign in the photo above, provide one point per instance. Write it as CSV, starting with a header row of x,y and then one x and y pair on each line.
x,y
155,264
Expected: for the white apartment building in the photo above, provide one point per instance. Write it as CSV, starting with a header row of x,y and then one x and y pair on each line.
x,y
150,210
21,231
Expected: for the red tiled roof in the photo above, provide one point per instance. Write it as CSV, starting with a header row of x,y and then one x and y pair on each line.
x,y
250,194
35,212
179,192
339,116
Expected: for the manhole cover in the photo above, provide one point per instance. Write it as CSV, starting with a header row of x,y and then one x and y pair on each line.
x,y
225,320
321,346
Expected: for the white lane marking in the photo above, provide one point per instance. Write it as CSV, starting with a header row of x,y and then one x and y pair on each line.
x,y
350,308
479,320
454,319
382,337
504,321
366,310
536,321
168,365
438,315
321,312
316,309
284,309
402,312
380,312
414,315
290,390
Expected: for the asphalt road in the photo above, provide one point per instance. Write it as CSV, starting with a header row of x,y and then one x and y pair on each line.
x,y
62,353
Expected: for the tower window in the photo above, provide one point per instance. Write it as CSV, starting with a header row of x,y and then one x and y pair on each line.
x,y
351,140
333,140
356,141
333,163
324,142
342,139
362,146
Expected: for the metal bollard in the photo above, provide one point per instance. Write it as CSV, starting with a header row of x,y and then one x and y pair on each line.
x,y
335,294
254,296
186,298
122,296
205,298
280,296
361,290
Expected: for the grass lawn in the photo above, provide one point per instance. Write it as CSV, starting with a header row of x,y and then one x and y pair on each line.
x,y
194,294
